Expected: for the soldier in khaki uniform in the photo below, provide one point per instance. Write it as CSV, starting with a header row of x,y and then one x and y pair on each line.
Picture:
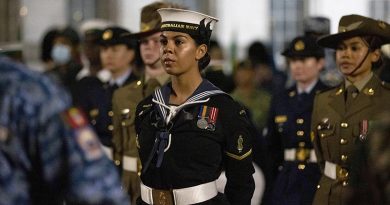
x,y
341,116
125,99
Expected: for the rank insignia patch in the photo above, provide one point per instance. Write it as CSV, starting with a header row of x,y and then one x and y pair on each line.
x,y
89,143
207,118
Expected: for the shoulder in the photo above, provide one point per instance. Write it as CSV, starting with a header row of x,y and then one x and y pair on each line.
x,y
385,85
30,86
328,91
144,105
228,108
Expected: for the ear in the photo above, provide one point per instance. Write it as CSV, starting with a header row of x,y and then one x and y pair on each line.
x,y
321,64
200,51
375,55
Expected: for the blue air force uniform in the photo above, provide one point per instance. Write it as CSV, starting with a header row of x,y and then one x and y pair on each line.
x,y
294,167
186,147
95,97
48,153
294,170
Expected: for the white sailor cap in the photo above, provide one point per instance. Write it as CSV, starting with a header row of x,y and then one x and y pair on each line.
x,y
186,21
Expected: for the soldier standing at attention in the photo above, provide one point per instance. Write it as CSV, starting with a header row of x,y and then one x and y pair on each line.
x,y
341,116
189,130
125,99
117,53
294,171
48,152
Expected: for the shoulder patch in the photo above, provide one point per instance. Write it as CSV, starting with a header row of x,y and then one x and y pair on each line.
x,y
89,143
75,118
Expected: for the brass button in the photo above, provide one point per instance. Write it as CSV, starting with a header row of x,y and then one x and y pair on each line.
x,y
342,174
345,183
344,125
300,133
301,166
111,113
344,158
300,121
302,144
343,141
318,186
110,127
117,162
323,135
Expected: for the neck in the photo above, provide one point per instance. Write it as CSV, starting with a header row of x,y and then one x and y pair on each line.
x,y
152,71
305,85
183,87
359,77
118,73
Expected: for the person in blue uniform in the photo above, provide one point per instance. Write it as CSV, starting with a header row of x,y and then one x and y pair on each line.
x,y
48,153
117,53
294,171
189,130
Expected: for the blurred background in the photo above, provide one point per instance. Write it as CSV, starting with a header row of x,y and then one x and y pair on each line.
x,y
23,23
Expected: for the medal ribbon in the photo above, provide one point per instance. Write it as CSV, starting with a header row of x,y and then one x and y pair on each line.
x,y
364,127
213,115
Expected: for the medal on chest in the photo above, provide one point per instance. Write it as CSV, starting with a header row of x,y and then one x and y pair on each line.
x,y
207,118
363,130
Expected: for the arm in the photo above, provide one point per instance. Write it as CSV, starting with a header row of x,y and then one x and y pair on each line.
x,y
314,134
238,156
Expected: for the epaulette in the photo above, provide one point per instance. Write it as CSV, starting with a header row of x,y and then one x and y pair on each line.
x,y
385,85
329,88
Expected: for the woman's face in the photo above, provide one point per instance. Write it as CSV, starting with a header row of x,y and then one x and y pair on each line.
x,y
150,49
179,53
116,58
305,70
350,53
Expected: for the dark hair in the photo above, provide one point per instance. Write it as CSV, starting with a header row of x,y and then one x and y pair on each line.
x,y
47,44
205,60
373,43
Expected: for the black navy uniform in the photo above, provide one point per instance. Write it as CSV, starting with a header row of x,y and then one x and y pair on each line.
x,y
207,133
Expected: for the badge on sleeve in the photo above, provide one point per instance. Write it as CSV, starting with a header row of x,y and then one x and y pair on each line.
x,y
89,143
207,118
83,134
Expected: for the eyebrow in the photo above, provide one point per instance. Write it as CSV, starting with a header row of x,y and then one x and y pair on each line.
x,y
177,36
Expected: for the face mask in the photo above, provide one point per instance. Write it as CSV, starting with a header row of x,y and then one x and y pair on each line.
x,y
60,54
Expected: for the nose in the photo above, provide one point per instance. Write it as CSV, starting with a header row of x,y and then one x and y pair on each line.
x,y
167,48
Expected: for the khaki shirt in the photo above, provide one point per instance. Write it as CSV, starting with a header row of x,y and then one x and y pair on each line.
x,y
125,101
336,130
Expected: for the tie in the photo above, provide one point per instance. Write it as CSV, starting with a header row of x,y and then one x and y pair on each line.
x,y
351,92
303,97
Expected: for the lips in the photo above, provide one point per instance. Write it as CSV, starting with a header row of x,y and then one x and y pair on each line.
x,y
168,61
345,64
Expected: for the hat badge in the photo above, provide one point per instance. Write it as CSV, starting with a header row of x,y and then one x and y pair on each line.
x,y
107,35
299,45
381,24
145,27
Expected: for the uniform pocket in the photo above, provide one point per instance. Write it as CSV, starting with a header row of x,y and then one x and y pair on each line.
x,y
326,135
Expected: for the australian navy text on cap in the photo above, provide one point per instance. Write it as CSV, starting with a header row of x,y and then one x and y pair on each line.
x,y
185,21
